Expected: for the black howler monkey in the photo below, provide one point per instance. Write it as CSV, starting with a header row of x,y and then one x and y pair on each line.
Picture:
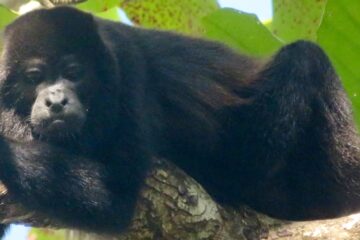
x,y
85,103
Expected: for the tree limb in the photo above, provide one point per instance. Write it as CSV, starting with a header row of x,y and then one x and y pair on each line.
x,y
173,206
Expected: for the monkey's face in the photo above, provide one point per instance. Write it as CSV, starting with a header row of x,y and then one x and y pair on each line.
x,y
53,94
57,75
57,110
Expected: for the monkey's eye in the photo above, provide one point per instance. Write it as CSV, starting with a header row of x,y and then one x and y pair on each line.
x,y
34,75
73,72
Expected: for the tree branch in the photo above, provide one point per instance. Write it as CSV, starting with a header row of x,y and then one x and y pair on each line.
x,y
173,206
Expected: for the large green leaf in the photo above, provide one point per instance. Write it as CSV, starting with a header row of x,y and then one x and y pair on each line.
x,y
298,19
6,16
184,16
339,35
241,31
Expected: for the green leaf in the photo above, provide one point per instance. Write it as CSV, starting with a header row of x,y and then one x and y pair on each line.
x,y
110,14
6,16
241,31
339,35
96,6
298,19
184,16
46,234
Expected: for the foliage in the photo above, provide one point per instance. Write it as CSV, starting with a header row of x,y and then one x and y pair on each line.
x,y
251,38
6,16
297,19
184,15
46,234
96,6
339,35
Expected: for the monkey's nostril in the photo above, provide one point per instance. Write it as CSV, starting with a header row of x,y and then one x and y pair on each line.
x,y
47,103
64,101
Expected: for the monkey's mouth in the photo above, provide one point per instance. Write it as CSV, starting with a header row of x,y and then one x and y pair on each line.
x,y
59,127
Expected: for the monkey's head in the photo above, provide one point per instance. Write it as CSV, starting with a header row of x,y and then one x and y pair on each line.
x,y
54,67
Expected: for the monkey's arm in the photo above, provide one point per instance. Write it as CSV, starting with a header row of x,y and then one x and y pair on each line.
x,y
78,191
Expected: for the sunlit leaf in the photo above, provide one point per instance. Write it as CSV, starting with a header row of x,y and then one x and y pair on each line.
x,y
184,16
110,14
46,234
299,19
241,31
339,35
6,16
97,5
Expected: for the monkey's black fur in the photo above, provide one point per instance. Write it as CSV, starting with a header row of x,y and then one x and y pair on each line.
x,y
276,135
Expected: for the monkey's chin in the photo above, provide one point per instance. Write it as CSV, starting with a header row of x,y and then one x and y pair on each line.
x,y
58,128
